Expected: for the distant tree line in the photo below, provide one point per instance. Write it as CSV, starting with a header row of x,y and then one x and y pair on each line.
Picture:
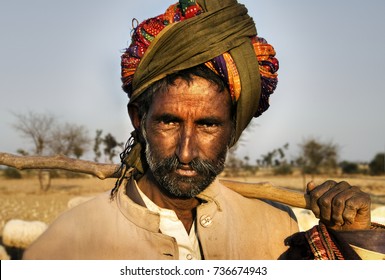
x,y
48,136
315,157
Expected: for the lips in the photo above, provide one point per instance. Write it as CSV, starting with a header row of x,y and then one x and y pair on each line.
x,y
185,170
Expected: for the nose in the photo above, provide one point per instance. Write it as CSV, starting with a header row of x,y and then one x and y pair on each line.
x,y
187,148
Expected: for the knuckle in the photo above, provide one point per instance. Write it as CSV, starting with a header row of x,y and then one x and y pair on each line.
x,y
337,219
367,197
364,197
315,195
324,186
338,203
360,193
344,183
343,186
348,217
324,202
330,183
350,207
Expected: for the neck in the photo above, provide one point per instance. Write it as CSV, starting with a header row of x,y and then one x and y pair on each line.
x,y
183,207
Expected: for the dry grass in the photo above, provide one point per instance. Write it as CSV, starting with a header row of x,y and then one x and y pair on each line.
x,y
21,199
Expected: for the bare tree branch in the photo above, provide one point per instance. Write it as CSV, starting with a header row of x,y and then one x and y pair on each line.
x,y
35,127
103,171
100,170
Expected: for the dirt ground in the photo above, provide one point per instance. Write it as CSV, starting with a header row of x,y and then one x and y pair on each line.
x,y
22,199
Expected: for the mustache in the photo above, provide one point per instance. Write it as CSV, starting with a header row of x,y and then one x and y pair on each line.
x,y
202,167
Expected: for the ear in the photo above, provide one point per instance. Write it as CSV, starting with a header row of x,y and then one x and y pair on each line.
x,y
133,112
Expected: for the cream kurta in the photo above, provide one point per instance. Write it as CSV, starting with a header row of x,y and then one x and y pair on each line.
x,y
229,226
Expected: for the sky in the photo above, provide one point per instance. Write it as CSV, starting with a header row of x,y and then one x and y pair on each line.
x,y
63,58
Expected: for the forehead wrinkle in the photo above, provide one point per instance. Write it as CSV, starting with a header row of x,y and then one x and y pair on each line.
x,y
191,106
198,94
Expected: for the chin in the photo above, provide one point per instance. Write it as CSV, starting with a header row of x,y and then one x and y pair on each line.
x,y
184,187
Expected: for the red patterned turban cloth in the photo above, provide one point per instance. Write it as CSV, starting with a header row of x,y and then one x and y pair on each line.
x,y
217,33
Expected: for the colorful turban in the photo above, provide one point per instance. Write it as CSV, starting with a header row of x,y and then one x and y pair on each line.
x,y
223,64
217,33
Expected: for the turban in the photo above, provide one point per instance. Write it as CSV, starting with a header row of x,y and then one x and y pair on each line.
x,y
223,37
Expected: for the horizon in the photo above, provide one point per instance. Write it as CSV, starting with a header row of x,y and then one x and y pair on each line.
x,y
64,58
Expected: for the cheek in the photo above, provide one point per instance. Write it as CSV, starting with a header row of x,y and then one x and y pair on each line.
x,y
162,144
214,145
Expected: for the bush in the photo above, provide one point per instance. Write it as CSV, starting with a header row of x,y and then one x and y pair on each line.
x,y
12,173
350,167
283,169
376,166
74,175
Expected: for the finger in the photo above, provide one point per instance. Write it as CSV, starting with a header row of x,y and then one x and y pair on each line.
x,y
317,192
343,212
357,210
332,203
310,186
349,213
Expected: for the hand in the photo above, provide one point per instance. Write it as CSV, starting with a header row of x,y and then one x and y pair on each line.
x,y
340,206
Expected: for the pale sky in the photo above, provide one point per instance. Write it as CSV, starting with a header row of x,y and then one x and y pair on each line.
x,y
63,57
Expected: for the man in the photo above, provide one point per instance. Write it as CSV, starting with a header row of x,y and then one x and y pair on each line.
x,y
190,100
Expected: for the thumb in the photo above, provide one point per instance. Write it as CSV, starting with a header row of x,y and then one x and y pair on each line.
x,y
310,186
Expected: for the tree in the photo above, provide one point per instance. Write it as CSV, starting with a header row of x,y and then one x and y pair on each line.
x,y
377,165
267,160
37,128
233,163
69,140
348,167
12,173
275,157
247,167
97,143
283,169
111,146
50,137
317,157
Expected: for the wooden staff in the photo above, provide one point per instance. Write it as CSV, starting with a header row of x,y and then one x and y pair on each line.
x,y
264,190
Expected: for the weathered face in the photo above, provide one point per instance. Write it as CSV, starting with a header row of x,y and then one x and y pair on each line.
x,y
187,131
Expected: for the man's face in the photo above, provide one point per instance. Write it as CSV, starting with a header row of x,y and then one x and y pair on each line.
x,y
187,132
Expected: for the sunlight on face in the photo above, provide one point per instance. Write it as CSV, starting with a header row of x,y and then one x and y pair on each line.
x,y
187,132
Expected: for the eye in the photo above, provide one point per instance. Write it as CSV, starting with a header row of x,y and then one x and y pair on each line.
x,y
209,124
167,121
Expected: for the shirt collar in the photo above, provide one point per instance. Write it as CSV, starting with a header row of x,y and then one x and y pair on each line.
x,y
133,207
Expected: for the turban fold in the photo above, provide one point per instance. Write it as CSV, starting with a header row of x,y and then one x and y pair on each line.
x,y
217,33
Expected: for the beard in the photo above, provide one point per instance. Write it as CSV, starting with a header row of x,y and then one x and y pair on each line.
x,y
164,172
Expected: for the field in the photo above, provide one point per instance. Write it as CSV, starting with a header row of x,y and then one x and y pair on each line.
x,y
22,199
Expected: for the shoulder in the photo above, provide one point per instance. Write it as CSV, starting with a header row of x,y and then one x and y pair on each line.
x,y
90,209
262,205
72,227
